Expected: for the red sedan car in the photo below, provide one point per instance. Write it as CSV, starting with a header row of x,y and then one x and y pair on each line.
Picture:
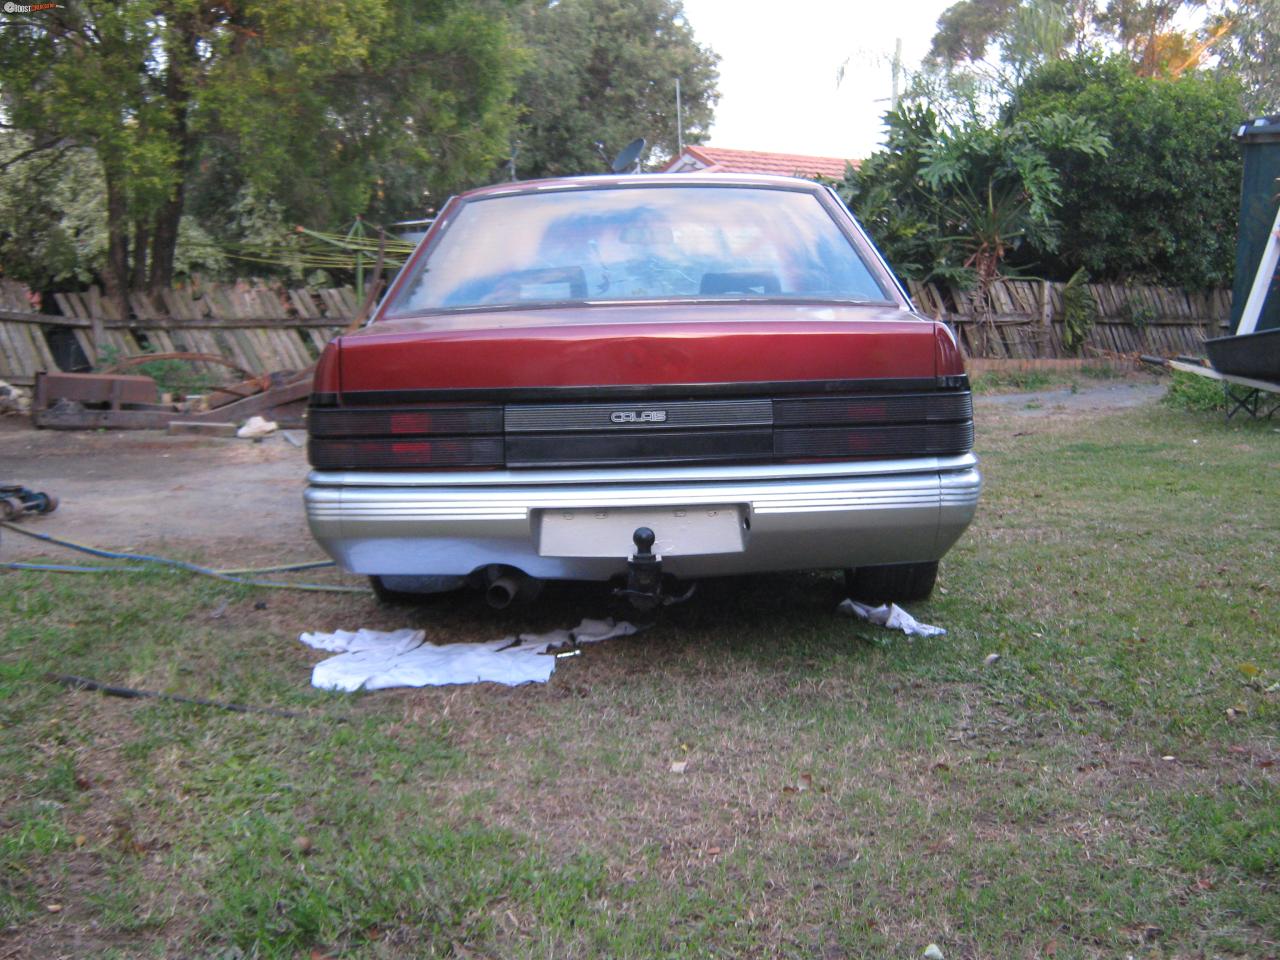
x,y
651,377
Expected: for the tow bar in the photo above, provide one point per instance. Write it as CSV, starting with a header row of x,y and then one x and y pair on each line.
x,y
644,576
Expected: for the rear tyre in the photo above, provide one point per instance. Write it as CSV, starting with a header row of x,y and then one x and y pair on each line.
x,y
892,583
395,598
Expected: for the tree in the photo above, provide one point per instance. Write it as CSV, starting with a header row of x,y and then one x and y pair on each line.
x,y
1162,205
1144,29
966,198
957,201
1027,33
996,187
52,232
1250,51
893,202
604,71
422,110
305,98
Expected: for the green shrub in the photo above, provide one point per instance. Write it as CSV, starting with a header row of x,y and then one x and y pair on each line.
x,y
1161,205
1190,392
1078,311
1020,381
180,377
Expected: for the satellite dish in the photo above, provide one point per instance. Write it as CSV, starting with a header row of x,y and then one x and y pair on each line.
x,y
629,159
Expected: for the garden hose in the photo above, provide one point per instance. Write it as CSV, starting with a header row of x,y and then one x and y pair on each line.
x,y
84,683
231,575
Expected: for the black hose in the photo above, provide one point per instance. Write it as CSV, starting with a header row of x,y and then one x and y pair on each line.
x,y
83,683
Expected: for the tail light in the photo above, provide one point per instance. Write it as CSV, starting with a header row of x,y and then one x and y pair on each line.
x,y
405,439
405,454
882,409
855,427
419,421
856,443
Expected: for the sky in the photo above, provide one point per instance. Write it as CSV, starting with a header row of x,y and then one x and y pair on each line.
x,y
779,64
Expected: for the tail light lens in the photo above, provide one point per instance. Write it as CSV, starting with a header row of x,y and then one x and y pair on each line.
x,y
419,421
883,409
405,439
855,427
382,454
855,443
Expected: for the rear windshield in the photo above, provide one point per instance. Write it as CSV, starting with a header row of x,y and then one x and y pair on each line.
x,y
650,243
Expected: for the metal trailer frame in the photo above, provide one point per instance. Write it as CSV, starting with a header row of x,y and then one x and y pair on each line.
x,y
1260,399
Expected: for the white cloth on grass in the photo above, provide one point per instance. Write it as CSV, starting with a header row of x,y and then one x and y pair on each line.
x,y
890,615
376,660
355,641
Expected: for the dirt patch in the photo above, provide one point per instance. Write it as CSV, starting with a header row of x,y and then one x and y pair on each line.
x,y
132,489
1121,395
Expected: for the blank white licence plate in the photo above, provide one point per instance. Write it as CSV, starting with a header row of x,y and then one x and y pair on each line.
x,y
681,531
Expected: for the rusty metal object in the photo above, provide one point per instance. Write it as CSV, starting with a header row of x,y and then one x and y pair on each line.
x,y
114,390
128,362
255,385
284,404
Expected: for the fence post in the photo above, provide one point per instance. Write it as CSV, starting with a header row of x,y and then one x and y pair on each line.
x,y
1044,339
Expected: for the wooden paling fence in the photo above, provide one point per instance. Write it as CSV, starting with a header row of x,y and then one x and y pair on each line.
x,y
264,329
23,347
260,329
1026,320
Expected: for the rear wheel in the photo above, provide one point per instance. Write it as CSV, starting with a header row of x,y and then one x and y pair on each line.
x,y
389,596
892,583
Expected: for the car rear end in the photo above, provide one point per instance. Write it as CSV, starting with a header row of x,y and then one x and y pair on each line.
x,y
749,433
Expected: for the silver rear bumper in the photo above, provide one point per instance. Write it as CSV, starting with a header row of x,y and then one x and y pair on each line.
x,y
800,516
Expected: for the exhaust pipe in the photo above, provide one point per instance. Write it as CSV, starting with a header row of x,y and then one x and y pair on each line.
x,y
501,593
508,586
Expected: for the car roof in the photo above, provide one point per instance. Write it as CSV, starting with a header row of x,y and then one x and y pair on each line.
x,y
643,180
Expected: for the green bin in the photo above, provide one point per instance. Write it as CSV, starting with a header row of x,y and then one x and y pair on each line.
x,y
1259,196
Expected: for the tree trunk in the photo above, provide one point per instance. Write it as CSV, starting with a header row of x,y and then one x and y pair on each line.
x,y
164,238
138,280
116,276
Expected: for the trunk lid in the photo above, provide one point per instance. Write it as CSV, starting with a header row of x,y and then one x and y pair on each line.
x,y
638,345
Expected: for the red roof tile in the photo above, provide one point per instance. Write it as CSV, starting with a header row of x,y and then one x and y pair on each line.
x,y
717,159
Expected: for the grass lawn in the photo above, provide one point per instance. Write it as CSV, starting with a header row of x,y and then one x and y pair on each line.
x,y
1006,381
1109,787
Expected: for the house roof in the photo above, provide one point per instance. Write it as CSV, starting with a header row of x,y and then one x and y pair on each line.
x,y
724,160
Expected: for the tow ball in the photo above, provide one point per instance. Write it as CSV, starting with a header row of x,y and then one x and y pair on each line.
x,y
644,576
